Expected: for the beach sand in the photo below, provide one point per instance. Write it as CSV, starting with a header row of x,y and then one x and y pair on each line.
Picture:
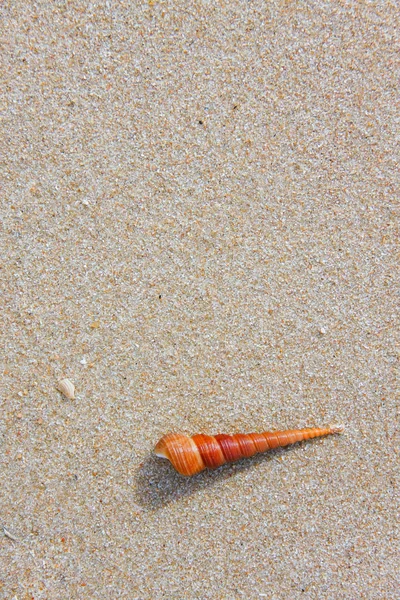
x,y
199,231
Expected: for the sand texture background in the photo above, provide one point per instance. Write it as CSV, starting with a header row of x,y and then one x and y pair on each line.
x,y
199,230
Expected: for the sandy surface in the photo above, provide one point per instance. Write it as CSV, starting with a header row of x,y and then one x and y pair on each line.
x,y
199,230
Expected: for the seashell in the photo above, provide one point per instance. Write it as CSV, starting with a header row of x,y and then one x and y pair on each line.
x,y
190,455
66,387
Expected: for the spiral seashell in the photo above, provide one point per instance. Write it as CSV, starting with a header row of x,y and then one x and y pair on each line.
x,y
66,387
190,455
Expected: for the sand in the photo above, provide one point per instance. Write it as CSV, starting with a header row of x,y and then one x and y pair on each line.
x,y
199,206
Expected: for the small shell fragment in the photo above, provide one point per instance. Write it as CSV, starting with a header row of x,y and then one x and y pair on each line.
x,y
9,535
66,387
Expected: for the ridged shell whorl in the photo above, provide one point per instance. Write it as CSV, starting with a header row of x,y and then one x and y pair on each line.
x,y
182,452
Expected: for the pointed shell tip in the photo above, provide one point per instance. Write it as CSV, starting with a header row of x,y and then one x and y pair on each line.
x,y
337,428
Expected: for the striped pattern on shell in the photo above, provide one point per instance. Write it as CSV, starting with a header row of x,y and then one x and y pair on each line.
x,y
190,455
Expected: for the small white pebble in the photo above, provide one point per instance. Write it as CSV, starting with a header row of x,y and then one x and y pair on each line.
x,y
83,361
322,331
